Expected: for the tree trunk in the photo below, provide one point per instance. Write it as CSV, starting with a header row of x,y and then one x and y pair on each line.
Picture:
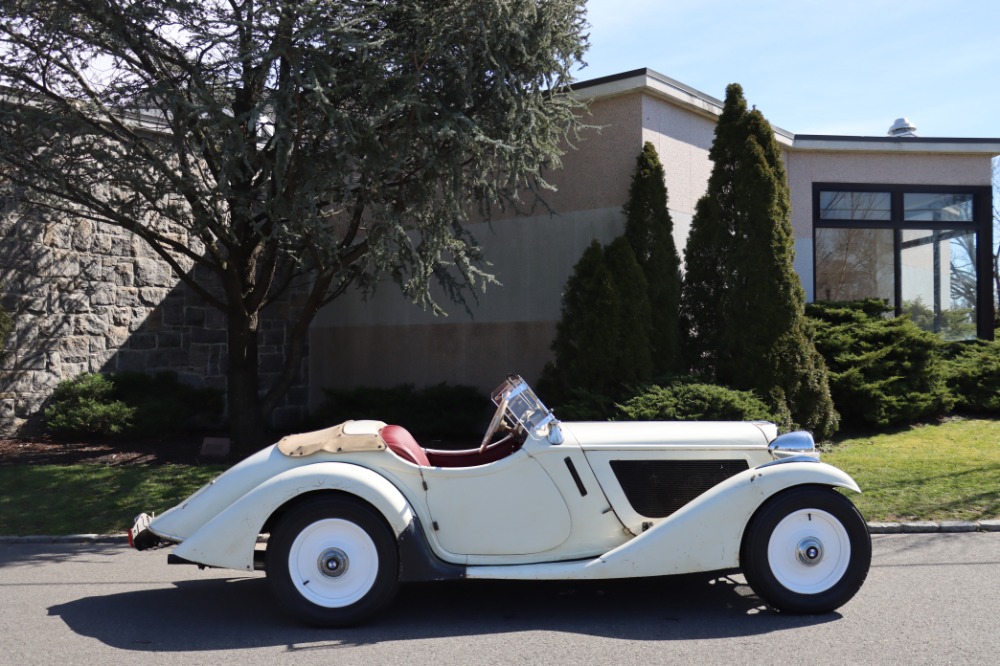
x,y
246,420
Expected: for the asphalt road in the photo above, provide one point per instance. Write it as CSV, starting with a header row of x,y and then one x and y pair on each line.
x,y
929,599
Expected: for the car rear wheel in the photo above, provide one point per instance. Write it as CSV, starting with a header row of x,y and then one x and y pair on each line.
x,y
806,550
332,561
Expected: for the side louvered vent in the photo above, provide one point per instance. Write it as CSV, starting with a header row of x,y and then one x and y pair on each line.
x,y
657,488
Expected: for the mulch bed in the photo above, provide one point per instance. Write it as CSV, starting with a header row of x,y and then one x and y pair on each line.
x,y
46,451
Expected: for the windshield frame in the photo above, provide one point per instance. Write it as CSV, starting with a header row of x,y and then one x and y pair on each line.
x,y
521,405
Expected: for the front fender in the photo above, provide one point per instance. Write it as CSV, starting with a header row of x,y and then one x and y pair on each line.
x,y
228,539
704,535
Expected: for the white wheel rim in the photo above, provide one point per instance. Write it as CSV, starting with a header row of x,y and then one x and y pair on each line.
x,y
333,563
809,551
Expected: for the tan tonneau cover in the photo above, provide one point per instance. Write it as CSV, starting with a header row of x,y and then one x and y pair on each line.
x,y
365,437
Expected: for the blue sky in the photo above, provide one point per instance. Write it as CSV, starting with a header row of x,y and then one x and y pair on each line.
x,y
818,67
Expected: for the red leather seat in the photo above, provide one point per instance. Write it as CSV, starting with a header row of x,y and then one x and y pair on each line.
x,y
401,442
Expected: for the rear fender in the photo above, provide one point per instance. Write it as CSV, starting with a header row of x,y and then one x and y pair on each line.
x,y
704,535
228,539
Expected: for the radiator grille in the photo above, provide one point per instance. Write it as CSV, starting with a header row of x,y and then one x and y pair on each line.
x,y
657,488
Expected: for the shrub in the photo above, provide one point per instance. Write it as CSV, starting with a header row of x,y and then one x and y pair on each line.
x,y
884,371
165,405
85,405
972,373
441,410
129,403
689,401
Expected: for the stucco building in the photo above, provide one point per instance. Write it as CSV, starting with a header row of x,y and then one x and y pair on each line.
x,y
901,217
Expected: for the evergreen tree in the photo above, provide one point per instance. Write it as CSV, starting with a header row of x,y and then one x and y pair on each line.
x,y
649,230
742,301
631,349
602,338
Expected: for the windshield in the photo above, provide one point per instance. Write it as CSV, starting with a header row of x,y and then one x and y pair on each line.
x,y
521,403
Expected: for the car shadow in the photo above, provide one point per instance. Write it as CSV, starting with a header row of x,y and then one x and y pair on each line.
x,y
225,614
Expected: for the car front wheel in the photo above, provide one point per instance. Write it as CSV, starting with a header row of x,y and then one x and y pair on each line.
x,y
332,561
807,550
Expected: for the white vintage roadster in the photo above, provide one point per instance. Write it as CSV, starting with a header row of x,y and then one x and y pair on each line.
x,y
353,510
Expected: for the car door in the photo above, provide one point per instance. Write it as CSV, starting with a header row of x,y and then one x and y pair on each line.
x,y
509,507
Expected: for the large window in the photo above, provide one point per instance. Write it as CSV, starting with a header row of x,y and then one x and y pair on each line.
x,y
918,248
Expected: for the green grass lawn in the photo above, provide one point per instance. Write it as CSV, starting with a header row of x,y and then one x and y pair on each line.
x,y
949,471
91,498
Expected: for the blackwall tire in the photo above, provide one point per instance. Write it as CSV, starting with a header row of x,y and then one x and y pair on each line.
x,y
806,551
332,561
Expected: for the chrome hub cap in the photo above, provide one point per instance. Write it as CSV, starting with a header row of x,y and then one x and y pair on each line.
x,y
333,562
809,551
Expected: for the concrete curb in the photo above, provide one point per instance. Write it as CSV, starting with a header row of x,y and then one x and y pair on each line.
x,y
931,527
920,527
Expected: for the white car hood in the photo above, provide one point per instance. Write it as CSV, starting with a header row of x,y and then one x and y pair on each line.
x,y
670,434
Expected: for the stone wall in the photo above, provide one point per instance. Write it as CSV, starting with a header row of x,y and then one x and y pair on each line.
x,y
90,297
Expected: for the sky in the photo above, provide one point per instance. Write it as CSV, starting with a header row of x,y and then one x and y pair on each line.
x,y
818,66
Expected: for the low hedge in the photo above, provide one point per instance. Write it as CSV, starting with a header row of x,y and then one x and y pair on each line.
x,y
884,370
972,374
691,401
130,403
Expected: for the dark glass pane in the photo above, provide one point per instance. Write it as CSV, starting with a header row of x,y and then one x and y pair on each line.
x,y
937,207
853,264
854,206
938,274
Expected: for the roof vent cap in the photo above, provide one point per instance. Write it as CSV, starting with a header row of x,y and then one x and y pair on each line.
x,y
903,127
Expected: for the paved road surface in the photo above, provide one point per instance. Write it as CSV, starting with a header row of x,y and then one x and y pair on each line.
x,y
930,599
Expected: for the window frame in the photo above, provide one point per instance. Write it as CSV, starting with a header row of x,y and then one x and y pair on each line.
x,y
981,225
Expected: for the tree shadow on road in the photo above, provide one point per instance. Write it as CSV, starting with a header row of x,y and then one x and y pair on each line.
x,y
228,614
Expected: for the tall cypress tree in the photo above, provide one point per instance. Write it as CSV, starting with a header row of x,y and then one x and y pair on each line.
x,y
602,338
649,230
742,301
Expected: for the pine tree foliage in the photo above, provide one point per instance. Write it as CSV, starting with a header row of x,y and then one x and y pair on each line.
x,y
602,338
742,302
631,352
274,142
649,231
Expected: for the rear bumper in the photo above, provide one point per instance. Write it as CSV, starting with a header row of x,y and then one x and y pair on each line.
x,y
140,536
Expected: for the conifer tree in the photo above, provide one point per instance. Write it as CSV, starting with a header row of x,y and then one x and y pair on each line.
x,y
631,349
742,301
602,338
649,230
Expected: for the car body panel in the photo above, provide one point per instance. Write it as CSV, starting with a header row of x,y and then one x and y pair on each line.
x,y
556,506
704,535
229,538
511,507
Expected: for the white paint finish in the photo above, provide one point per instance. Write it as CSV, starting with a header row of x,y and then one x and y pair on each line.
x,y
359,567
704,535
670,435
835,551
228,539
510,507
